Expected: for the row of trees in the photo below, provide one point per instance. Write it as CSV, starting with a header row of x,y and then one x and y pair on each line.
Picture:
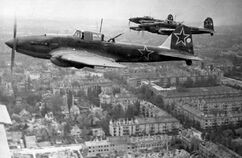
x,y
28,103
226,136
117,111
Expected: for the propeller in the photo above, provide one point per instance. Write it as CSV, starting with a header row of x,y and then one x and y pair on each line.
x,y
100,31
14,43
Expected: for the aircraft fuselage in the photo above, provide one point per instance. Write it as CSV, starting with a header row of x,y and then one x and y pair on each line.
x,y
165,28
42,47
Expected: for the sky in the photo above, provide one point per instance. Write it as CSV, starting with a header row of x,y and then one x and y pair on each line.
x,y
224,12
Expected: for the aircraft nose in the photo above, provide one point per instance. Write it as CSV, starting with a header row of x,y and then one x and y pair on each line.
x,y
9,43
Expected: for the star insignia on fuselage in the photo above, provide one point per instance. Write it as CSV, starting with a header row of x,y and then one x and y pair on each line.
x,y
145,53
181,37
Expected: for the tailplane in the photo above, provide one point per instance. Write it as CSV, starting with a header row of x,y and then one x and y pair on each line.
x,y
180,39
208,23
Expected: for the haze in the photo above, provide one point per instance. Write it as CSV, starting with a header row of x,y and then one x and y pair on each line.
x,y
224,12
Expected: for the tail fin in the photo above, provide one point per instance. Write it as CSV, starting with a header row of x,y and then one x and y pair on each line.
x,y
208,23
180,39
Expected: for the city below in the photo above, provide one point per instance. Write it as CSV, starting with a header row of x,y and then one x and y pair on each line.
x,y
144,110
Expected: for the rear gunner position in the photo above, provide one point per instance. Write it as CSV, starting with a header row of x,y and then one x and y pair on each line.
x,y
89,49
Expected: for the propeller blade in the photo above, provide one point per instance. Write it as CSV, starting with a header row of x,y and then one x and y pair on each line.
x,y
12,59
100,30
14,44
15,28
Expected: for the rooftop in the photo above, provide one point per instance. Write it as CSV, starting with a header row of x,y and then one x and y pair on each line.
x,y
97,142
165,119
219,150
48,149
190,92
139,120
157,111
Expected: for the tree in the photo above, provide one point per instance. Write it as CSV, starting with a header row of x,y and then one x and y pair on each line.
x,y
137,108
106,107
93,95
117,112
54,104
195,144
67,129
16,118
130,112
75,84
148,93
104,124
32,99
116,90
158,100
69,100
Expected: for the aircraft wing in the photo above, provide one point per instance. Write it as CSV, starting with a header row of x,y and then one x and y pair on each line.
x,y
166,30
180,55
136,28
84,57
195,30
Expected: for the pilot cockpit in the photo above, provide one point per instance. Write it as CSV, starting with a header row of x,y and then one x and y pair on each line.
x,y
89,36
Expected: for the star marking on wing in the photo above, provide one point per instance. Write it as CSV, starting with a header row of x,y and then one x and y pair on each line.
x,y
145,53
181,37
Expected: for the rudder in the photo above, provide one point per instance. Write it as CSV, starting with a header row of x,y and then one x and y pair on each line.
x,y
180,39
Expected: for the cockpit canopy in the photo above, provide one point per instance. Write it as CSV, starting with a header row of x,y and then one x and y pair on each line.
x,y
88,35
170,17
148,17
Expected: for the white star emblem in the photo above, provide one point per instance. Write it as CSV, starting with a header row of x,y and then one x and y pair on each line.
x,y
182,37
145,52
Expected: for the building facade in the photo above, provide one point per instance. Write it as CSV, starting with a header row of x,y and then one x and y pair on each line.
x,y
144,126
212,112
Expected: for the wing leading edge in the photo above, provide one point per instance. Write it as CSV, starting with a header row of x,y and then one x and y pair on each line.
x,y
84,57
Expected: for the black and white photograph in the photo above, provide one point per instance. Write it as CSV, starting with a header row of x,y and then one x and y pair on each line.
x,y
120,79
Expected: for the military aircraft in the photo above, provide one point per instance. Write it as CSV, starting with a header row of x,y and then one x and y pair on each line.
x,y
148,19
166,27
90,49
